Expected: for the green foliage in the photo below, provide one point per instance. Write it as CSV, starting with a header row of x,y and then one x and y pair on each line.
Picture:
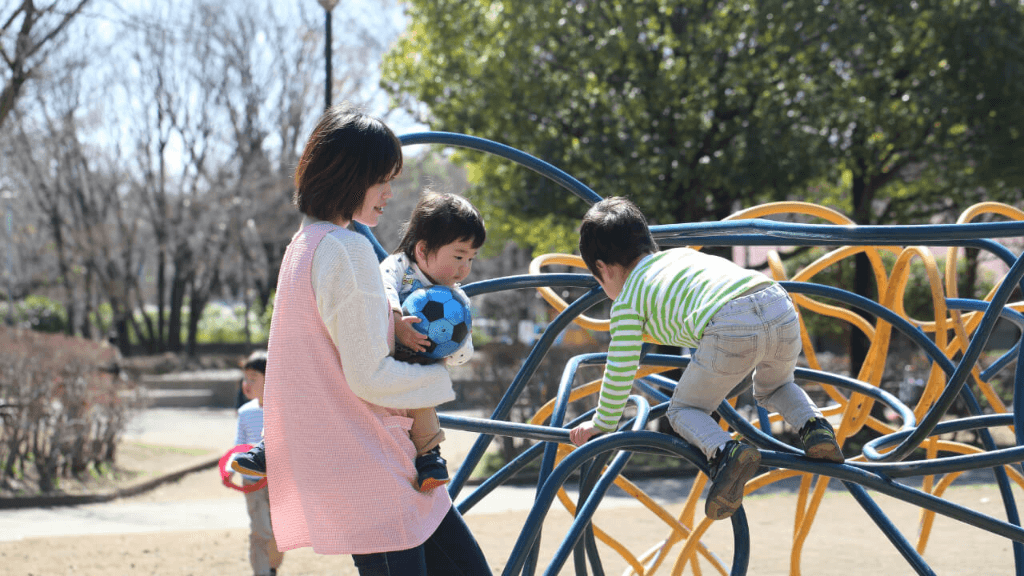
x,y
223,324
903,96
37,313
219,324
696,109
684,108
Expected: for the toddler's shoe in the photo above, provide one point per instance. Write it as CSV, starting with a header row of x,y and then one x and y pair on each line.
x,y
431,470
731,467
819,440
251,463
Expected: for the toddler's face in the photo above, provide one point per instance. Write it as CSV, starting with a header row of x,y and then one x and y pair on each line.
x,y
450,264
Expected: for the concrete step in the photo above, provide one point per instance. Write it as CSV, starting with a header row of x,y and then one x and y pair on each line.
x,y
184,398
203,388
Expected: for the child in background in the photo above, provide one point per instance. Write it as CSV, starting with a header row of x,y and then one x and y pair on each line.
x,y
263,554
441,239
738,320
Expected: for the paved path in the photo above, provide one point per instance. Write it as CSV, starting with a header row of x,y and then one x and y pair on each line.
x,y
184,507
195,427
206,428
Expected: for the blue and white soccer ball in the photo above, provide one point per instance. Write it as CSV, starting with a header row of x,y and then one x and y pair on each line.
x,y
444,317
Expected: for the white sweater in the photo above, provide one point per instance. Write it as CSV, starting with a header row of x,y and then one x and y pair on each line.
x,y
355,314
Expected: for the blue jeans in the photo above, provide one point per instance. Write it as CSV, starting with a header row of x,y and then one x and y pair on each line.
x,y
758,332
450,550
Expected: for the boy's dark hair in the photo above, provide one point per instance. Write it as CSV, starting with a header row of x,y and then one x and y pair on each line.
x,y
614,231
347,153
256,361
439,219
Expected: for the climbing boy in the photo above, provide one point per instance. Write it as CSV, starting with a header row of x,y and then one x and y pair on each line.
x,y
738,320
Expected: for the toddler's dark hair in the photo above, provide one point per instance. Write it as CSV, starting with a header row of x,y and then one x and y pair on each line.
x,y
439,219
615,232
256,361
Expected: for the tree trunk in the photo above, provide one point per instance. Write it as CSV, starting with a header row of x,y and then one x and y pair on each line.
x,y
863,277
121,328
161,295
177,303
196,305
969,280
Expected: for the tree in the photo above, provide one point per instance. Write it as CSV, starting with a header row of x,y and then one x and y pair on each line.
x,y
87,216
917,109
26,34
690,108
159,159
906,110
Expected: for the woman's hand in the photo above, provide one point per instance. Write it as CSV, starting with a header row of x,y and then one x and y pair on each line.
x,y
580,434
407,336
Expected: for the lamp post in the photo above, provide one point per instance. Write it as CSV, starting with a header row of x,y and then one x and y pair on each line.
x,y
328,7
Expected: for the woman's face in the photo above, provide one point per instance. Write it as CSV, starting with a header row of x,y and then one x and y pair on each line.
x,y
373,205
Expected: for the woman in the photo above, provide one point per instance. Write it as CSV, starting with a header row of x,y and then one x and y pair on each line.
x,y
339,457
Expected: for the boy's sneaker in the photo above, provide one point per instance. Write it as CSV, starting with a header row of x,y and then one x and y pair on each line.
x,y
251,463
731,468
819,440
432,470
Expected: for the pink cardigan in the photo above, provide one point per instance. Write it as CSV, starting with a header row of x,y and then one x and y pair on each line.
x,y
340,469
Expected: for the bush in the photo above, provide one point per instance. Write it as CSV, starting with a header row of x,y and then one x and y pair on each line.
x,y
63,407
38,313
224,324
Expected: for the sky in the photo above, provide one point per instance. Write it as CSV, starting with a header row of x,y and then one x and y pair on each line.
x,y
103,20
106,16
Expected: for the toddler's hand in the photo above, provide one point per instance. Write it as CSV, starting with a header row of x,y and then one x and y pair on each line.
x,y
407,336
580,434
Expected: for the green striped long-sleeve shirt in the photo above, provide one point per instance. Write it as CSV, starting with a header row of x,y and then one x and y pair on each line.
x,y
670,296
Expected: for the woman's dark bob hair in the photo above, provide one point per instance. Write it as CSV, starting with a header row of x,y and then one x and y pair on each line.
x,y
347,153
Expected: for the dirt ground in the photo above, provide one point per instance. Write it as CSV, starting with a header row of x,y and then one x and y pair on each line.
x,y
843,541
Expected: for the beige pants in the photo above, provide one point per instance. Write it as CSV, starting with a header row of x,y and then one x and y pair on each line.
x,y
263,553
426,431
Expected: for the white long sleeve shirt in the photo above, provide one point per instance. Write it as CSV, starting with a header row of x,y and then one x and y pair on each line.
x,y
350,298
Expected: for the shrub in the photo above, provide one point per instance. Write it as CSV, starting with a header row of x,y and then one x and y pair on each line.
x,y
38,313
62,404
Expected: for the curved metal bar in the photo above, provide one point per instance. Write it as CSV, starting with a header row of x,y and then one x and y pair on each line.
x,y
589,502
881,519
898,322
605,443
876,481
963,369
539,166
761,438
498,478
529,281
502,428
877,473
759,231
1014,317
945,464
526,371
